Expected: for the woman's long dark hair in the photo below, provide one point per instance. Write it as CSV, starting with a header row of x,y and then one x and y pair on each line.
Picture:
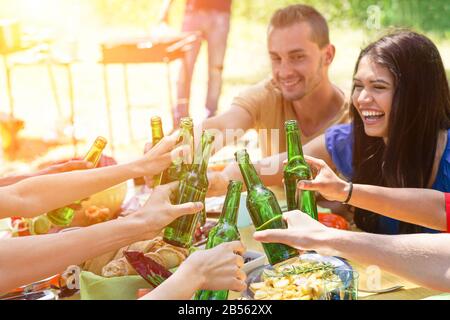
x,y
420,110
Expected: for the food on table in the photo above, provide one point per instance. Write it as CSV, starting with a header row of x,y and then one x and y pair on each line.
x,y
96,265
171,257
142,292
299,280
20,226
152,271
118,268
155,257
114,263
40,225
96,214
333,221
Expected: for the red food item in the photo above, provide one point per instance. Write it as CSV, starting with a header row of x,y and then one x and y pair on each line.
x,y
147,267
22,226
142,292
333,221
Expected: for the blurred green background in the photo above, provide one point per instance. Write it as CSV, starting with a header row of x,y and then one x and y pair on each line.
x,y
426,15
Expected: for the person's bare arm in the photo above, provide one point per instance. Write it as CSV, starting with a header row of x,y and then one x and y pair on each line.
x,y
71,165
27,259
41,194
421,258
227,127
424,207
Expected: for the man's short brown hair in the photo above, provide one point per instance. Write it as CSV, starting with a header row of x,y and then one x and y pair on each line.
x,y
297,13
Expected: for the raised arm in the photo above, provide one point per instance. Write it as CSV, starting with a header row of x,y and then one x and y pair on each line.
x,y
41,194
421,258
425,207
53,253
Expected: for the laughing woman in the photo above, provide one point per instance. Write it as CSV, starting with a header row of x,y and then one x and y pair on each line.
x,y
399,134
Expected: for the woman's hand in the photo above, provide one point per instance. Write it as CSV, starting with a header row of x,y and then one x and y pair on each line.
x,y
326,182
219,268
158,211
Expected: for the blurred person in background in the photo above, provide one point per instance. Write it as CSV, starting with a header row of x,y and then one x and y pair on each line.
x,y
211,19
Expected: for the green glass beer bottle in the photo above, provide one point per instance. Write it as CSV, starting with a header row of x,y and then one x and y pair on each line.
x,y
202,216
297,169
225,231
63,216
180,166
264,209
157,135
191,189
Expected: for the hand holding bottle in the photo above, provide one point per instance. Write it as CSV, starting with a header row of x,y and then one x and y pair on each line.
x,y
158,211
159,157
326,182
219,268
303,232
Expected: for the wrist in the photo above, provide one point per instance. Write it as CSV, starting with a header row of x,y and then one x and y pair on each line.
x,y
344,189
189,270
140,226
326,239
136,169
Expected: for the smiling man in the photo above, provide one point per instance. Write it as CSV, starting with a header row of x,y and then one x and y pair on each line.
x,y
300,89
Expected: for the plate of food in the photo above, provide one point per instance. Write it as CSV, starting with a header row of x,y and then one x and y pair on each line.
x,y
302,278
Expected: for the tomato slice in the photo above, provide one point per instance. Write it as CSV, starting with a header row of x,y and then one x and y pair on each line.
x,y
333,221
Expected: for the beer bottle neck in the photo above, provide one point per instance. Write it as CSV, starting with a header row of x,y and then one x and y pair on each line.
x,y
157,133
294,144
248,171
203,154
231,204
95,152
186,138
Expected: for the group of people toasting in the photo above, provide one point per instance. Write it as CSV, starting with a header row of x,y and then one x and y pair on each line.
x,y
384,151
